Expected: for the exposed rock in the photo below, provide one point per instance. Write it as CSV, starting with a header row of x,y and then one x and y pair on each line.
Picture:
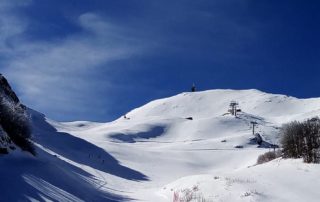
x,y
14,120
7,90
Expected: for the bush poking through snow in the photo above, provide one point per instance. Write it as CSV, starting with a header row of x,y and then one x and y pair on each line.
x,y
268,156
188,195
302,140
3,151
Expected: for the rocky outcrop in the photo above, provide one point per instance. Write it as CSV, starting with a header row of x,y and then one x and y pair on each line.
x,y
7,90
15,127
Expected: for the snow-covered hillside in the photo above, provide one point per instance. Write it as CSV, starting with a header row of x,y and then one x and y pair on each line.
x,y
183,146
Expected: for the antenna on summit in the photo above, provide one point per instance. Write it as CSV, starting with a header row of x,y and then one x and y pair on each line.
x,y
193,88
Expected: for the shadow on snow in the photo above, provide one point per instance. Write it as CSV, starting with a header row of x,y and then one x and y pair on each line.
x,y
131,138
80,151
46,177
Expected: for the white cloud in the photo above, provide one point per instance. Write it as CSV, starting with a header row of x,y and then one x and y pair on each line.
x,y
11,25
55,74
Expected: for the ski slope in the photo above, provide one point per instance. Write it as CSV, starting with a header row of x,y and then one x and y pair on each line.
x,y
156,153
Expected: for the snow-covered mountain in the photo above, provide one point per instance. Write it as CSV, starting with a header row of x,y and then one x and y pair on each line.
x,y
186,146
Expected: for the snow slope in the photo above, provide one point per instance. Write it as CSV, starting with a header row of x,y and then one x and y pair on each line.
x,y
156,153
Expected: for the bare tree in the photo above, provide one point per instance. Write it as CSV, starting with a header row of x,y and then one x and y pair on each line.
x,y
302,140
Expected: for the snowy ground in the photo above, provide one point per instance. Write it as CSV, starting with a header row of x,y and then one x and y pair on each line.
x,y
156,154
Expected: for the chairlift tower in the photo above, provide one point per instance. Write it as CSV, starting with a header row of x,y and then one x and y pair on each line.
x,y
253,126
233,107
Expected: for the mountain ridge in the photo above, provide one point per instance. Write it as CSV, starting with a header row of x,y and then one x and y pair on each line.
x,y
163,149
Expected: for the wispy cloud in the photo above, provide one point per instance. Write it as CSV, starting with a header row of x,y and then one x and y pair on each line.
x,y
58,74
11,25
76,74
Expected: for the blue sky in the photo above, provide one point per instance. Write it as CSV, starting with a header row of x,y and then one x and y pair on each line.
x,y
96,60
